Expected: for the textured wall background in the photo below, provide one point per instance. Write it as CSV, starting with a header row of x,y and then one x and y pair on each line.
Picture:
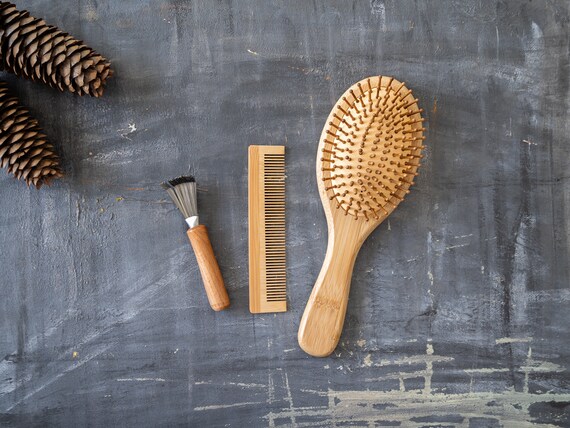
x,y
459,308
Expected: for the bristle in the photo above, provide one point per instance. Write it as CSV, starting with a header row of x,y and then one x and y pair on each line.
x,y
182,179
371,143
182,191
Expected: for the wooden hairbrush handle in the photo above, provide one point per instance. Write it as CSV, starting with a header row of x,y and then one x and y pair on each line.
x,y
211,275
321,325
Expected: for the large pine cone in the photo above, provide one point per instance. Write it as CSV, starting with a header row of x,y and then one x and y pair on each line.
x,y
24,148
40,52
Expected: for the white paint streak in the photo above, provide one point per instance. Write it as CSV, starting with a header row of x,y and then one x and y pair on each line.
x,y
289,398
270,390
513,340
240,384
486,370
124,132
141,379
498,40
379,9
227,406
404,407
451,247
151,285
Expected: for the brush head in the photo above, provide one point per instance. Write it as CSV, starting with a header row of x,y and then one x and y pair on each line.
x,y
182,190
370,148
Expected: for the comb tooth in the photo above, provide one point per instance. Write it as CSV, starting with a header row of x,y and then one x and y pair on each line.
x,y
332,143
331,134
355,105
411,113
346,113
400,188
411,122
353,96
411,103
413,131
412,148
402,85
339,129
403,96
410,139
369,94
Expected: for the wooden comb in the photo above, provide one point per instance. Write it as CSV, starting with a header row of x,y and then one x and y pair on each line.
x,y
267,278
368,156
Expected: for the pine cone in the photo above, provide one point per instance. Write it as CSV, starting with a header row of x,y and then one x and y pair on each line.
x,y
40,52
24,148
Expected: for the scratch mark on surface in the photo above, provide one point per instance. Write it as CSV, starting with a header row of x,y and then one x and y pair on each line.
x,y
252,52
141,379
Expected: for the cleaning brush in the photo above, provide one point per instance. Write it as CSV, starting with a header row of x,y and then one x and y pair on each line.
x,y
182,190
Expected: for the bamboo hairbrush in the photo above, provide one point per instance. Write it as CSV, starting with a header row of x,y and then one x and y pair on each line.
x,y
368,156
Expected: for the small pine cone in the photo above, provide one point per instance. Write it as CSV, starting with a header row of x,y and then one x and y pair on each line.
x,y
24,148
30,48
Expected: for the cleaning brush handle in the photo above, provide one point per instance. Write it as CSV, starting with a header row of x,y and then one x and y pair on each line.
x,y
211,275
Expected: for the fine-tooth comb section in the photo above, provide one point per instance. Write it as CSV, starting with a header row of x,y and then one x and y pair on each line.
x,y
267,263
372,148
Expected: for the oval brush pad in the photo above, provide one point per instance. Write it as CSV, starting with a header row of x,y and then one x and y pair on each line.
x,y
368,156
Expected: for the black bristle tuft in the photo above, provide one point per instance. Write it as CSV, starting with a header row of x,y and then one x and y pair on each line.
x,y
182,179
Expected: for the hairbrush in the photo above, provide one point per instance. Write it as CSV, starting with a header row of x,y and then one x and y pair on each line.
x,y
368,156
182,190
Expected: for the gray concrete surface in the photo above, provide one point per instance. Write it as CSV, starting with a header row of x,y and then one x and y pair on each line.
x,y
459,307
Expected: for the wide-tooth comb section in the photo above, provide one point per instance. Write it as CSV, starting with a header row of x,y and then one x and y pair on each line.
x,y
371,148
267,257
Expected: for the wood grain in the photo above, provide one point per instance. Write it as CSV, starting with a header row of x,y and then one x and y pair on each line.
x,y
367,158
266,202
211,275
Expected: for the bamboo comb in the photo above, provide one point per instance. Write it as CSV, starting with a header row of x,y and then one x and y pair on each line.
x,y
182,190
266,202
368,156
